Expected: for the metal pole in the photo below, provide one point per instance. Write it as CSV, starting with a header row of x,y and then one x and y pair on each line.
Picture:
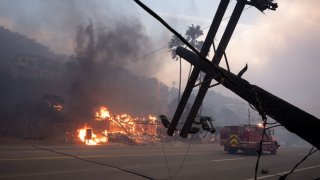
x,y
195,73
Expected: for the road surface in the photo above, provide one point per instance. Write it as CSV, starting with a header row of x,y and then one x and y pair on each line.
x,y
204,161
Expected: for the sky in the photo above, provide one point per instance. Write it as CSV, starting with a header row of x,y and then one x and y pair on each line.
x,y
280,47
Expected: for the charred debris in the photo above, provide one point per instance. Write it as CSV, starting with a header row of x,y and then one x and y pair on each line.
x,y
43,97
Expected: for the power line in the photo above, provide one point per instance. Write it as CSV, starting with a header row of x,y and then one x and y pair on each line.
x,y
252,91
283,177
164,154
129,62
172,175
273,126
259,105
91,161
184,159
95,162
145,55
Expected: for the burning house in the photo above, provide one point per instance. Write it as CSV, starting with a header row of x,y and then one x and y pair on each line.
x,y
106,127
97,76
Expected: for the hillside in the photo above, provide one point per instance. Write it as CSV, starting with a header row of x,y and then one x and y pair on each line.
x,y
13,44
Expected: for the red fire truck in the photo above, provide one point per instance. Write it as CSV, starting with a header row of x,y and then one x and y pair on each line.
x,y
247,139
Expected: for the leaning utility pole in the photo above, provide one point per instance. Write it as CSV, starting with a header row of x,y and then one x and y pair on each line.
x,y
292,118
261,5
195,73
216,60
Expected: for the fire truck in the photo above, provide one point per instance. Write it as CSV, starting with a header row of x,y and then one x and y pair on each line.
x,y
247,138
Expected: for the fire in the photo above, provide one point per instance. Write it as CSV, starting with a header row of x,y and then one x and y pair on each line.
x,y
152,118
58,107
119,128
86,135
102,114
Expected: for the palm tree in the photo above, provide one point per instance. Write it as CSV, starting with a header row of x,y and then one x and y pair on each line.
x,y
192,34
172,45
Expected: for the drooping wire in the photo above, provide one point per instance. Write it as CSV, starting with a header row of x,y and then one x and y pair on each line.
x,y
283,177
264,119
164,154
273,126
184,159
258,103
272,123
173,174
95,162
260,149
91,161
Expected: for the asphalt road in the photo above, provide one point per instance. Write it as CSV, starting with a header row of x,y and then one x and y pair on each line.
x,y
203,162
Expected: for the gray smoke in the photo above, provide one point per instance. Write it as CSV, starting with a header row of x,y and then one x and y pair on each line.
x,y
53,22
100,53
104,37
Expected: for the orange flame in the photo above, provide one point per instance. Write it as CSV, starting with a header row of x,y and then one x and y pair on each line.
x,y
136,129
102,114
93,140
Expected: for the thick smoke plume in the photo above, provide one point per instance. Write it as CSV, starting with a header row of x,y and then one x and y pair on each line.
x,y
96,74
104,37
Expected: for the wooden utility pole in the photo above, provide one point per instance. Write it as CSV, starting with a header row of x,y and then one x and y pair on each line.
x,y
195,73
259,4
292,118
216,60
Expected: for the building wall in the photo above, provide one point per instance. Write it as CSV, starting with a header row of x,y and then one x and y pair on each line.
x,y
37,67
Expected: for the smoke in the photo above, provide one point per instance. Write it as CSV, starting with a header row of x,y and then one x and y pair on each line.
x,y
104,38
96,74
281,50
52,22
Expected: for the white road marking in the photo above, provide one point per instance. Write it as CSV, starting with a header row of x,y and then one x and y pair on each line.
x,y
234,159
62,172
282,173
87,156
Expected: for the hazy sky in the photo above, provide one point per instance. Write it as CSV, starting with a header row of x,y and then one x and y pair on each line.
x,y
280,47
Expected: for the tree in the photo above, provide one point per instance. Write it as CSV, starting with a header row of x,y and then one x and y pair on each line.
x,y
172,45
192,34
